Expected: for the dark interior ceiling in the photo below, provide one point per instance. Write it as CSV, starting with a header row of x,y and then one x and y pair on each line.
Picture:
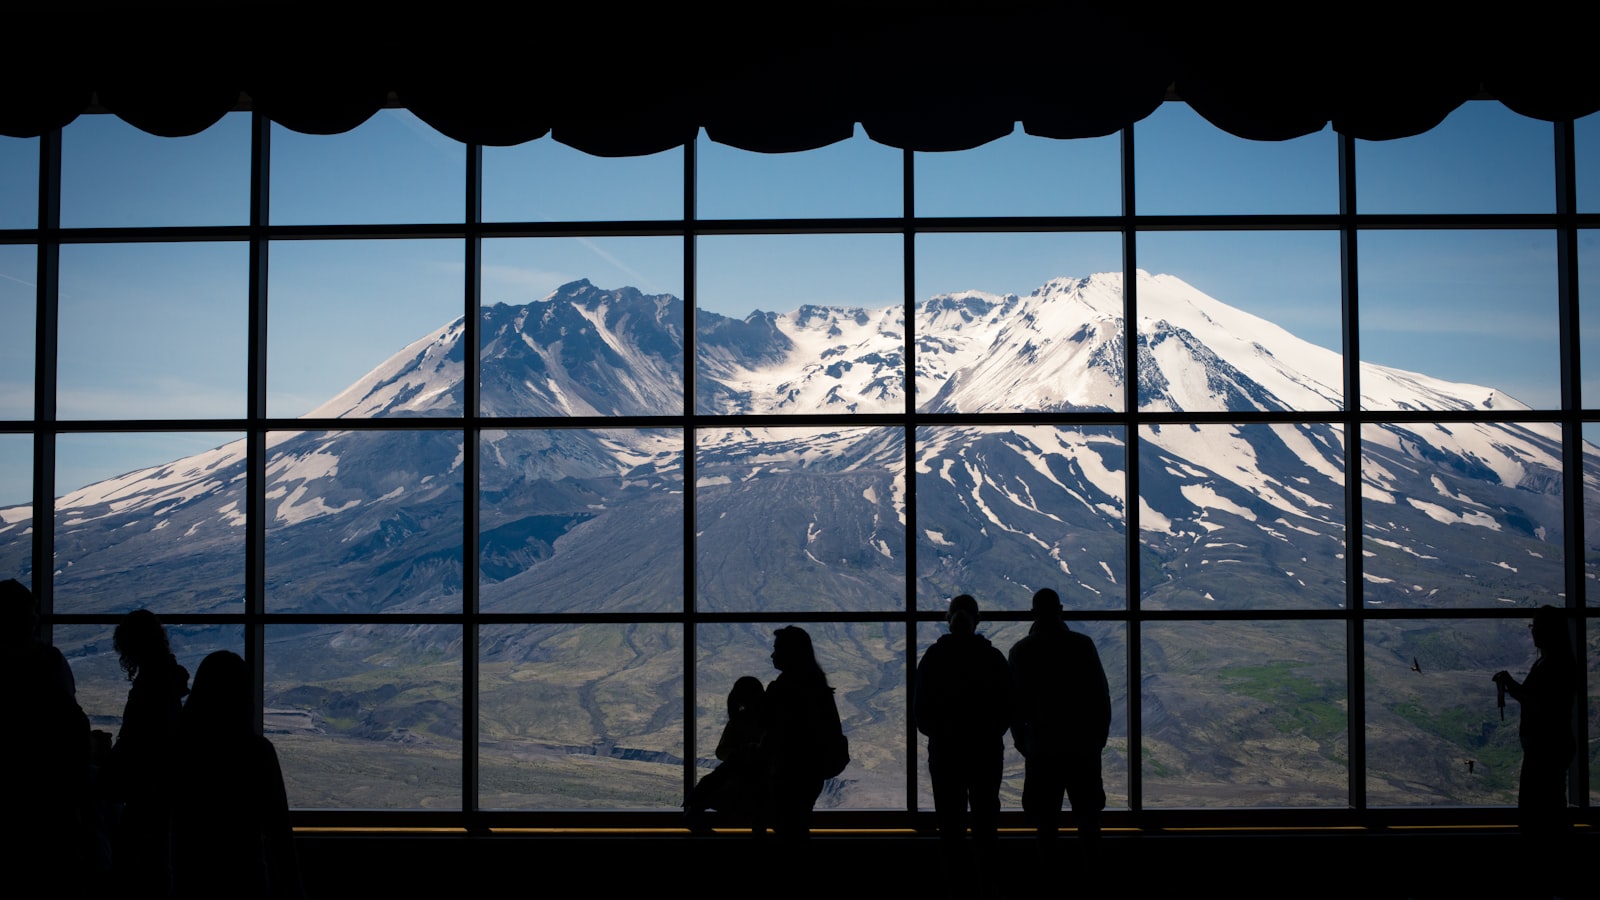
x,y
624,78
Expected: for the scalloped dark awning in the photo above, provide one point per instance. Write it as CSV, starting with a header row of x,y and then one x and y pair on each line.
x,y
626,79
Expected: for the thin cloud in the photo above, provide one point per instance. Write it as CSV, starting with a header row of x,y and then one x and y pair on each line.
x,y
640,280
18,280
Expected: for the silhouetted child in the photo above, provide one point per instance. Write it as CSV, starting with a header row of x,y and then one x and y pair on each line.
x,y
737,785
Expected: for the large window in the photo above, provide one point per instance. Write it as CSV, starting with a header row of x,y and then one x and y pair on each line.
x,y
501,465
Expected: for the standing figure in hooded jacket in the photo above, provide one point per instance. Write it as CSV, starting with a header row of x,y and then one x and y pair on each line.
x,y
963,704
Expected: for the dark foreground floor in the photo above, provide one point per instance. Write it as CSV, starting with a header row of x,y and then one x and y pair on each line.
x,y
1416,863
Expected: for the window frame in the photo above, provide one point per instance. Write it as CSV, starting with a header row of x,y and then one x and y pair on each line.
x,y
1349,224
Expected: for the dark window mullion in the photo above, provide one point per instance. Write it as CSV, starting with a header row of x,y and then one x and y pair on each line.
x,y
690,681
909,286
256,412
1355,631
1572,402
1130,443
47,279
472,295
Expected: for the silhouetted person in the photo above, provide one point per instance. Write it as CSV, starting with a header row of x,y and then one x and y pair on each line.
x,y
1546,697
801,726
139,774
738,784
230,823
47,757
962,702
1061,722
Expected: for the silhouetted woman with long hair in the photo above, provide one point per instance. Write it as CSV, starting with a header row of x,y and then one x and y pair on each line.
x,y
796,718
231,835
139,774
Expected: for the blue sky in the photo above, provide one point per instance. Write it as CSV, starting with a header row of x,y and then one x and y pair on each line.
x,y
1476,307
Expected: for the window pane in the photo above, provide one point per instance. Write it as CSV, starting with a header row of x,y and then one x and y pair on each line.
x,y
1474,312
800,519
1002,512
1462,514
1431,711
1023,175
1483,158
855,177
394,168
1187,166
113,174
1589,316
1591,513
1242,516
544,180
581,717
154,520
19,182
1586,133
365,328
18,297
556,343
364,521
865,665
1018,322
1593,675
1242,714
1111,642
366,716
16,507
153,331
581,521
102,685
1247,320
800,324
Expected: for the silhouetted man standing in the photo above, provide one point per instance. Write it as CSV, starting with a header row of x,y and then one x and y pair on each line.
x,y
1063,715
963,704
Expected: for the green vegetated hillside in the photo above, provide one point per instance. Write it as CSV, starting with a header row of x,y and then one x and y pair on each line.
x,y
593,716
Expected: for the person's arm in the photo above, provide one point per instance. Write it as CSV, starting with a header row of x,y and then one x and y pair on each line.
x,y
1511,685
1019,704
922,706
728,747
1102,696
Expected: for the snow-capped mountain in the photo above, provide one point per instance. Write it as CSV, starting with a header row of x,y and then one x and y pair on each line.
x,y
810,518
361,521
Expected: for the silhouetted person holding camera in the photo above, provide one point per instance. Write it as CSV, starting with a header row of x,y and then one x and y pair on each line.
x,y
962,702
1062,720
231,835
48,756
1546,727
139,774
